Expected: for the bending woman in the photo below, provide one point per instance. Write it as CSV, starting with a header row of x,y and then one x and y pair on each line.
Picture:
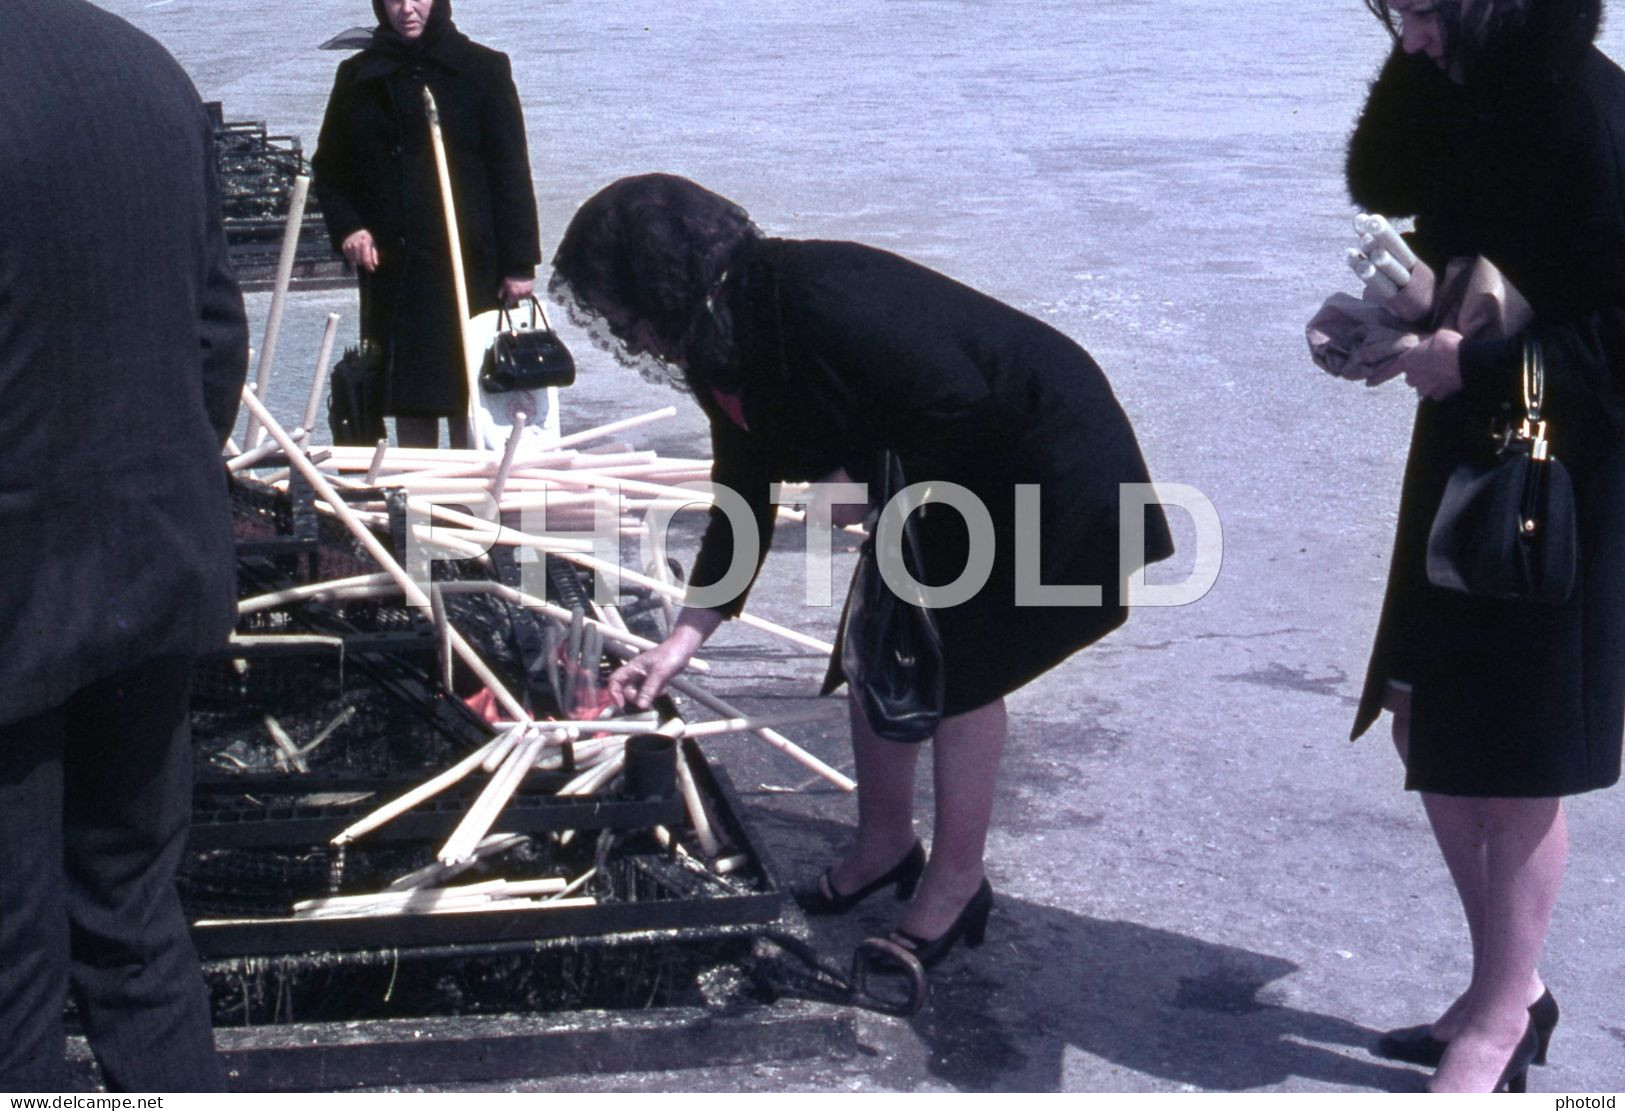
x,y
380,194
810,357
1500,127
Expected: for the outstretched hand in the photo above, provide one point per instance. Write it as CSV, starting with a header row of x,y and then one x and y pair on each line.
x,y
644,677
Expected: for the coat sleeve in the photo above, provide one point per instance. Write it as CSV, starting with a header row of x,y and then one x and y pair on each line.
x,y
337,177
742,463
222,322
1585,347
507,160
926,392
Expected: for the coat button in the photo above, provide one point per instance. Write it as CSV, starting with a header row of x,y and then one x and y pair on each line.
x,y
400,241
395,150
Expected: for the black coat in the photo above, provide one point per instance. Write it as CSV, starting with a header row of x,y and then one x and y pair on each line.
x,y
123,348
848,350
1525,169
374,169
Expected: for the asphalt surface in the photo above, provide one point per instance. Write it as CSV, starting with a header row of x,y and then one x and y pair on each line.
x,y
1201,884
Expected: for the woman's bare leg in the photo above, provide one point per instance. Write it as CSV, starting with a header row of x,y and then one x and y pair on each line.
x,y
1526,852
1461,842
966,752
885,774
1464,857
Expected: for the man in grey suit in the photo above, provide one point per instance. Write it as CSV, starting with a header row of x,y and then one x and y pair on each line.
x,y
123,348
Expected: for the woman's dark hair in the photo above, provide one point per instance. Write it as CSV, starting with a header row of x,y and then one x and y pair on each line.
x,y
1481,37
646,257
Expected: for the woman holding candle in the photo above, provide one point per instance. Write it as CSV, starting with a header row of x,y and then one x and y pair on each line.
x,y
375,176
809,358
1500,127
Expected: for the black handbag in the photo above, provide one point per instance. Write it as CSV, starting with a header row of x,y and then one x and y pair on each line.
x,y
889,650
532,358
355,403
1507,529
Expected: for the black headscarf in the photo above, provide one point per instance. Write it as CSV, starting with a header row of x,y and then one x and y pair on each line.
x,y
386,40
658,254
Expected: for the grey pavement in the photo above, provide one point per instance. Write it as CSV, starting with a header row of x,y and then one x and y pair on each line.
x,y
1201,883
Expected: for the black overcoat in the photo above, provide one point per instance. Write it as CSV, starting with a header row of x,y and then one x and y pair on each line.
x,y
374,169
848,350
123,348
1524,168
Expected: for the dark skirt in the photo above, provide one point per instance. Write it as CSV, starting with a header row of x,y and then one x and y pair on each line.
x,y
1508,699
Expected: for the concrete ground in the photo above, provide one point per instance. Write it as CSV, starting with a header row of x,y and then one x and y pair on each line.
x,y
1201,883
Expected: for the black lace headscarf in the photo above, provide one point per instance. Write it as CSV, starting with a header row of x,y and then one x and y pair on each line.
x,y
656,262
387,40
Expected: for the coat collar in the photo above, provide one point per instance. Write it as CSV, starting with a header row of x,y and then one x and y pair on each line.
x,y
449,53
1521,46
1400,154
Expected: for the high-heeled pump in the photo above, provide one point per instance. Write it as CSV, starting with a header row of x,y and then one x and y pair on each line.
x,y
1417,1045
970,925
823,899
1515,1077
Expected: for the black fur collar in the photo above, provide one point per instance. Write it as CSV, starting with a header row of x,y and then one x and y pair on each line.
x,y
1400,152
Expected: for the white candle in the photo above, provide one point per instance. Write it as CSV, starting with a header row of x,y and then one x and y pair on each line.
x,y
1390,267
1374,279
1384,235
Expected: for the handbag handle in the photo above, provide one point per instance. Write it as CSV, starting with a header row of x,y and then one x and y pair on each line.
x,y
1534,397
535,311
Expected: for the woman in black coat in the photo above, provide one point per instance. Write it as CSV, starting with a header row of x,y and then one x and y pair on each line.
x,y
810,357
375,176
1501,128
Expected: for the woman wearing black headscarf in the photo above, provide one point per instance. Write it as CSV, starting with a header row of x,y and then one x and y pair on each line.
x,y
1501,129
809,357
375,176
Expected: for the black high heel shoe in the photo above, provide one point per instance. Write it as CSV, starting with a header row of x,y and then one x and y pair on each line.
x,y
1543,1015
1417,1045
1515,1077
824,899
971,925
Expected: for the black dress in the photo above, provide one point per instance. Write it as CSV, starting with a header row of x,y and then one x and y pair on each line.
x,y
848,350
374,169
1513,699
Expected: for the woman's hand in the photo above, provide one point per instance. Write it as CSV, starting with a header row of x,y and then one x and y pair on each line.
x,y
1414,301
644,677
1432,368
516,291
360,250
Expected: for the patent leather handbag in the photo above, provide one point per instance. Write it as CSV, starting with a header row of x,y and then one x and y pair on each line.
x,y
522,358
1508,529
889,650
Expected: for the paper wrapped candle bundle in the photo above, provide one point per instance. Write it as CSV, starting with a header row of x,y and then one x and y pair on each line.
x,y
1355,338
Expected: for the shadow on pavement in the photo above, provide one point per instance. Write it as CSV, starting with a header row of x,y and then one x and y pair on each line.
x,y
1143,1000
